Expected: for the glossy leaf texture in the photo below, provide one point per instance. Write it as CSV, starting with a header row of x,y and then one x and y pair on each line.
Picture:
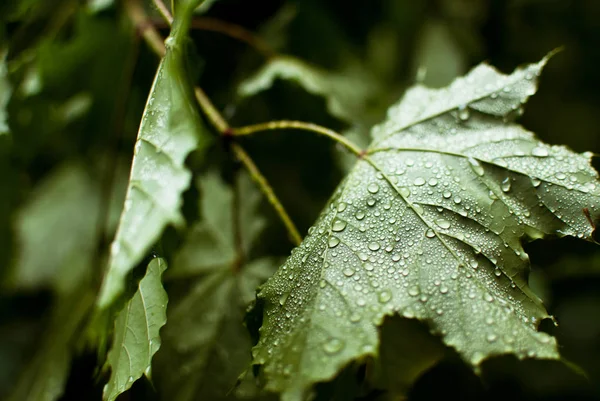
x,y
170,129
429,225
205,345
136,337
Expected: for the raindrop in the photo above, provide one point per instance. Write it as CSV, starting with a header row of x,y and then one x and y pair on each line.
x,y
374,246
445,224
348,272
430,233
371,201
432,182
491,337
413,291
373,188
539,152
283,298
405,192
333,242
355,317
447,194
419,181
338,225
385,296
476,166
536,182
333,346
506,185
341,207
463,113
359,215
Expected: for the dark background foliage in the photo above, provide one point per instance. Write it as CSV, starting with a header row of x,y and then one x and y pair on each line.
x,y
96,72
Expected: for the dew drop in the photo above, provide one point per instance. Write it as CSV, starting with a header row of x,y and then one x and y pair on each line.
x,y
338,225
414,291
536,182
283,298
506,183
384,296
475,166
430,233
539,152
333,346
445,224
359,215
348,272
333,242
463,113
373,188
419,181
405,192
355,317
447,194
432,182
374,246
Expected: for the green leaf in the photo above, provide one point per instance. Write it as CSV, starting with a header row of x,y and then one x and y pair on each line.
x,y
5,93
347,93
205,345
429,225
45,377
171,128
137,327
56,232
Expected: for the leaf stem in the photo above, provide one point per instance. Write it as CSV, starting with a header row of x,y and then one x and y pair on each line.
x,y
299,125
213,115
263,184
164,11
140,20
153,38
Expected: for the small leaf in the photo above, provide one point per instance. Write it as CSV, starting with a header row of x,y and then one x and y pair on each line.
x,y
56,232
171,128
429,225
347,94
5,93
205,344
136,338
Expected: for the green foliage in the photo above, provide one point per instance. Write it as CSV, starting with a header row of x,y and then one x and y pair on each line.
x,y
426,272
205,350
429,225
136,338
170,129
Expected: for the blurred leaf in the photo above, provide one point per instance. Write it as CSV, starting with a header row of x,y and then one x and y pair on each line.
x,y
429,225
171,128
406,350
204,6
347,94
438,60
5,93
205,346
56,232
46,375
136,338
95,6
